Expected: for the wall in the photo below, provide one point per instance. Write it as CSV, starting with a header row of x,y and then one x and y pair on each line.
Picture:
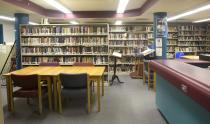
x,y
8,31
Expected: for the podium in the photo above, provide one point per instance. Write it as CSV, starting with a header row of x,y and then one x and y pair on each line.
x,y
139,64
114,76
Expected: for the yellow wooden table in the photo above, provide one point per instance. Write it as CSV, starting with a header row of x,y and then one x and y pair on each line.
x,y
95,73
190,57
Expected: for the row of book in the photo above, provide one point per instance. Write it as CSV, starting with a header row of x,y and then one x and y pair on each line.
x,y
172,35
192,49
123,60
80,29
126,43
64,50
192,43
131,28
65,60
128,36
172,42
122,68
65,40
124,51
192,38
190,33
191,27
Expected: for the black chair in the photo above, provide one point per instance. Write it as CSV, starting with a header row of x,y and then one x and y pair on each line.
x,y
74,85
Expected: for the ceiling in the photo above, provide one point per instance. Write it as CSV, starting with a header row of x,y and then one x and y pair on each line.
x,y
172,7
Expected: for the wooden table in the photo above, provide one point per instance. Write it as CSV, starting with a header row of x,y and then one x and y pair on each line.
x,y
190,57
95,73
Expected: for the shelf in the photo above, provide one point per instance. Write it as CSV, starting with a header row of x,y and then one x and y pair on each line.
x,y
61,45
63,64
122,63
64,54
62,35
128,39
122,46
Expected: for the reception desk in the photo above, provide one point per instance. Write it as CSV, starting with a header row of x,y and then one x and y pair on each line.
x,y
183,90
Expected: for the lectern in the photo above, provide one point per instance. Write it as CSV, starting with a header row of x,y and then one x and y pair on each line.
x,y
114,76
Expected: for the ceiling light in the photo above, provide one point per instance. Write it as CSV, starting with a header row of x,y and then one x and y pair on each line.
x,y
58,6
202,20
122,6
74,22
118,22
7,18
33,23
203,8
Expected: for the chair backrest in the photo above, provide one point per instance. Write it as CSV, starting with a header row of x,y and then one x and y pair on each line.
x,y
49,64
25,81
74,81
83,64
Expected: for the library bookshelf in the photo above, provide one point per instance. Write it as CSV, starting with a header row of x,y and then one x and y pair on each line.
x,y
189,38
128,38
66,44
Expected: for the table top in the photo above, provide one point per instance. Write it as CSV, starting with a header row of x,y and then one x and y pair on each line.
x,y
190,57
54,71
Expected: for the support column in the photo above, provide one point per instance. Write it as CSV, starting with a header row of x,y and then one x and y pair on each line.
x,y
160,34
1,34
20,18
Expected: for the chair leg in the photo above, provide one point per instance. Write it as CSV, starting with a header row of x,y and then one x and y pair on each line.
x,y
40,96
49,86
88,96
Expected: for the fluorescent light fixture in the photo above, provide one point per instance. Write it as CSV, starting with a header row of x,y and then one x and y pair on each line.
x,y
58,6
74,22
122,6
7,18
202,20
33,23
118,22
203,8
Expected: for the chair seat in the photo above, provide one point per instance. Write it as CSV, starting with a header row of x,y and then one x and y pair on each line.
x,y
28,93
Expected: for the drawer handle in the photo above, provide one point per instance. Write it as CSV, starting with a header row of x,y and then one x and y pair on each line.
x,y
184,88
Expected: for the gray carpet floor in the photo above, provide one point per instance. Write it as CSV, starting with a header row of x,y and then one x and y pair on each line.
x,y
127,103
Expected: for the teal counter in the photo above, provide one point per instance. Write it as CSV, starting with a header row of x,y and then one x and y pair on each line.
x,y
182,98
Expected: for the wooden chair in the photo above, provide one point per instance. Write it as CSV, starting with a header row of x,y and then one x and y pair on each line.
x,y
30,87
71,85
148,75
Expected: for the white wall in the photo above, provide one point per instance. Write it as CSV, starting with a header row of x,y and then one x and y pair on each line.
x,y
9,31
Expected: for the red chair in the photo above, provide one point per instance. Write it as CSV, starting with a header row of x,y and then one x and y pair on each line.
x,y
49,64
30,87
83,64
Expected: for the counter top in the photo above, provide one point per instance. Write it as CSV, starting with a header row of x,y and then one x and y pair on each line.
x,y
192,80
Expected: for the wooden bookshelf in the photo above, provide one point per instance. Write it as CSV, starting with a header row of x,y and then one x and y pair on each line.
x,y
126,38
65,43
189,38
192,39
172,40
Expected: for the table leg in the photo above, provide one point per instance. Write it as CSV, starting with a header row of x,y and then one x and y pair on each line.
x,y
49,86
55,93
102,85
154,81
8,79
98,94
88,93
